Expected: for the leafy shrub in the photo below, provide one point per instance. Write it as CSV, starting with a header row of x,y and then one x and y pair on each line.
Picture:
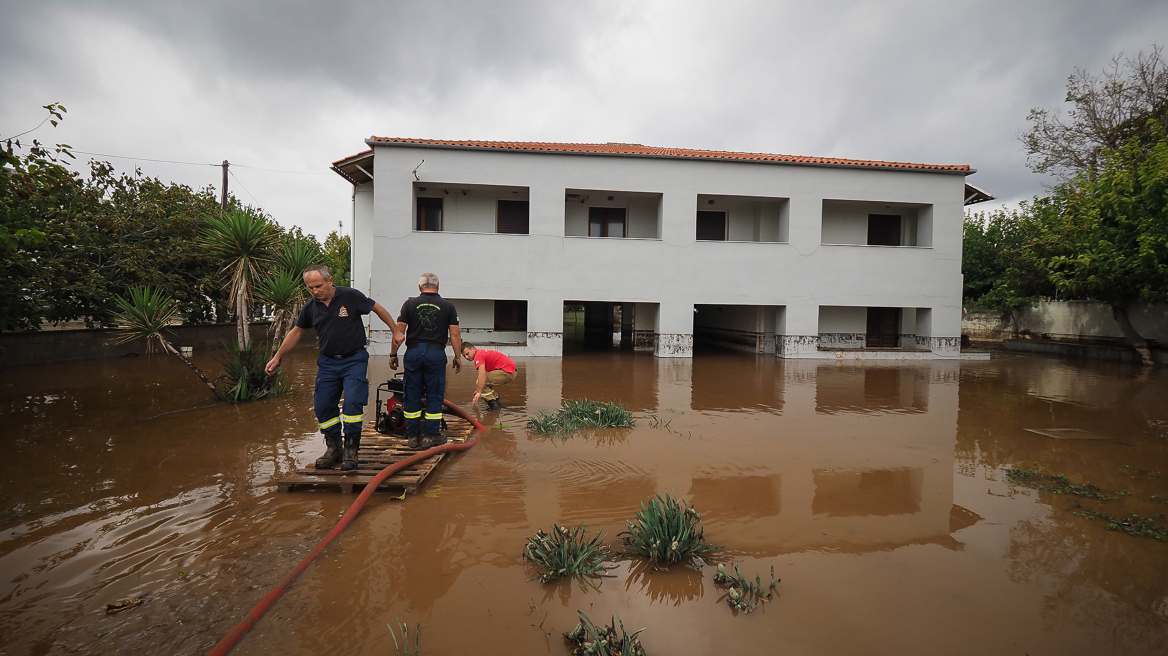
x,y
244,378
744,594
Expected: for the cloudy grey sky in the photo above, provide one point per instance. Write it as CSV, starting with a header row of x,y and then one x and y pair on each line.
x,y
295,85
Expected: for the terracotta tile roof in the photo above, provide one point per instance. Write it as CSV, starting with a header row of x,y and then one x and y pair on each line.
x,y
638,150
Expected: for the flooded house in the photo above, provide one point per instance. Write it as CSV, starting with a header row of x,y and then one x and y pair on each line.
x,y
657,249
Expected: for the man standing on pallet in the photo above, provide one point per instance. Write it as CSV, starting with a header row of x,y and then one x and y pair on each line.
x,y
425,320
335,312
495,370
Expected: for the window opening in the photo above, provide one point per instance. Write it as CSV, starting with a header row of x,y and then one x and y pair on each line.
x,y
430,214
711,226
513,217
606,222
511,315
884,230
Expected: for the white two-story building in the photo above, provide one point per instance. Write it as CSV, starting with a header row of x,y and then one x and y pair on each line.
x,y
803,257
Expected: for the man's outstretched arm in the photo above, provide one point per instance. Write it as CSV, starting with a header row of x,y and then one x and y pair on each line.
x,y
290,340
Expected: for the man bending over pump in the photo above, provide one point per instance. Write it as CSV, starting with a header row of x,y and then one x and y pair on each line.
x,y
495,370
335,312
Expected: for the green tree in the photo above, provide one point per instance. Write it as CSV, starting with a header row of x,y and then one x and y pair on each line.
x,y
1111,241
146,314
1002,258
338,258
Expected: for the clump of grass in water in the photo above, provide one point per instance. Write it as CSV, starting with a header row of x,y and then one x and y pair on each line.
x,y
578,414
1057,484
666,531
1132,524
566,552
244,378
743,594
403,648
590,640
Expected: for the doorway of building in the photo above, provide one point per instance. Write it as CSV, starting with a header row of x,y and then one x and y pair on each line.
x,y
883,327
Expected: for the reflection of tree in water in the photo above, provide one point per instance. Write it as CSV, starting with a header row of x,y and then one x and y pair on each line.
x,y
602,437
1109,580
678,584
563,588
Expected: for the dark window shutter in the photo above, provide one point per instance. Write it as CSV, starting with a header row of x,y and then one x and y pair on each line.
x,y
711,226
511,315
429,214
884,230
513,217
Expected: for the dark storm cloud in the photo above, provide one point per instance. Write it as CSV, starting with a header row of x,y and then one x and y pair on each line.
x,y
296,85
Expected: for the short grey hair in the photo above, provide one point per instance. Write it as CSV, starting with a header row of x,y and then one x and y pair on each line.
x,y
428,281
320,268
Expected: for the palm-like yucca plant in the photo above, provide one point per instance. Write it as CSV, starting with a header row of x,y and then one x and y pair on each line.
x,y
145,315
591,640
245,239
296,255
666,531
285,292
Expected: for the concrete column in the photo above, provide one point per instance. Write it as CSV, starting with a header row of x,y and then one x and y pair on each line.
x,y
674,337
933,337
644,326
545,326
797,331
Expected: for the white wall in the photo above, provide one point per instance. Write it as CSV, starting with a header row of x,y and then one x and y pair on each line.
x,y
836,319
675,271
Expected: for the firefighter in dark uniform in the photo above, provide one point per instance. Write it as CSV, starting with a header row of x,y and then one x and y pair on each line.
x,y
335,312
425,320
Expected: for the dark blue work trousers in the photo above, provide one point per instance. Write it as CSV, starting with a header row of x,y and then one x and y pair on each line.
x,y
425,374
334,376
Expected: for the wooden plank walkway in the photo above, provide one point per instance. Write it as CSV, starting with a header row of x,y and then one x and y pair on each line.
x,y
377,452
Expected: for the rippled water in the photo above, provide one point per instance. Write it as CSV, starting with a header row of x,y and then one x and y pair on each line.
x,y
877,492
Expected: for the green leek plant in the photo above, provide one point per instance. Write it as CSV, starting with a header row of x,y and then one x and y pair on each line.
x,y
591,640
575,415
403,648
146,315
666,531
566,552
742,593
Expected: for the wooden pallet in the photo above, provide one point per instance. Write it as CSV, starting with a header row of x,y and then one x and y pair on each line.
x,y
377,452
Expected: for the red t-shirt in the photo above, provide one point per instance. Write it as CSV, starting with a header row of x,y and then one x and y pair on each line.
x,y
493,360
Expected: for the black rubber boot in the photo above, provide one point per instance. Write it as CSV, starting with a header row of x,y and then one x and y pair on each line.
x,y
414,441
333,455
352,444
432,441
493,404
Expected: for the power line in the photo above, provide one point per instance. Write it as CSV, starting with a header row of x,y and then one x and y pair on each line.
x,y
232,174
171,161
143,159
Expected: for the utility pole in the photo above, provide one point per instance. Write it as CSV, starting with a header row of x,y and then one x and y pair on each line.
x,y
223,201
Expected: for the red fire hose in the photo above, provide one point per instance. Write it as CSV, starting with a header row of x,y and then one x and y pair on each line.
x,y
239,630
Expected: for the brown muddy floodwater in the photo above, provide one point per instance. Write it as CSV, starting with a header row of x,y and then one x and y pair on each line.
x,y
877,492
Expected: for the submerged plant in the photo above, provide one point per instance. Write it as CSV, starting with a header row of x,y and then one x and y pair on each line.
x,y
1132,524
743,594
591,640
666,531
578,414
566,552
244,378
403,648
1056,484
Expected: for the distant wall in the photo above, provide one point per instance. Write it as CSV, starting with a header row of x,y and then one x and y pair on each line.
x,y
1071,320
19,349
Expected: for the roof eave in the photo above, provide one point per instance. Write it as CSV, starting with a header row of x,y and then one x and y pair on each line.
x,y
373,143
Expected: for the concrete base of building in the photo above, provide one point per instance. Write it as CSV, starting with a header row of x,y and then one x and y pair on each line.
x,y
812,347
673,345
797,346
644,340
